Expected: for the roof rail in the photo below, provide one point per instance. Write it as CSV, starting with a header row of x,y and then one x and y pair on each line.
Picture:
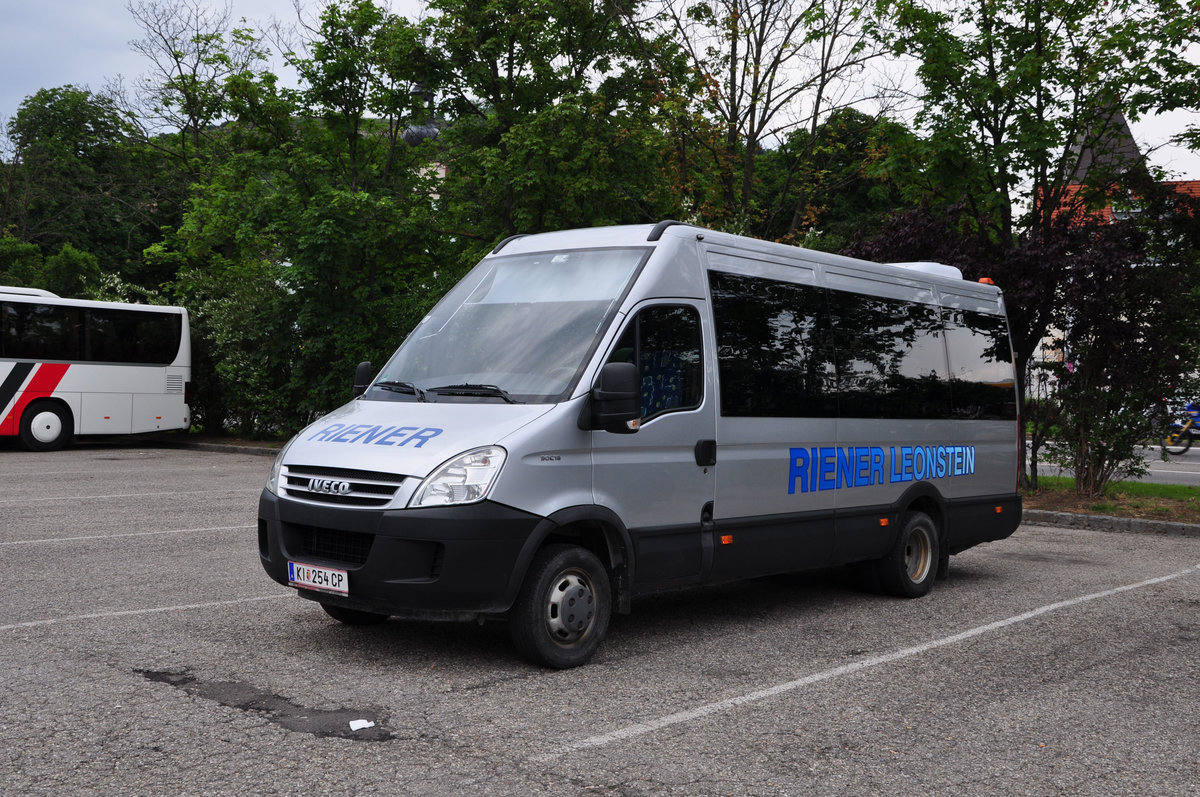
x,y
506,241
26,291
661,227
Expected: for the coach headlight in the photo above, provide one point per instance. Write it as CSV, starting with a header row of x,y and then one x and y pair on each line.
x,y
465,479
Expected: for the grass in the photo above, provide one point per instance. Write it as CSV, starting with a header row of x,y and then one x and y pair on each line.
x,y
1173,502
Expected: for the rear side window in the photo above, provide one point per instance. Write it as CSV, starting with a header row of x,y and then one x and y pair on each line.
x,y
981,368
665,344
891,358
787,350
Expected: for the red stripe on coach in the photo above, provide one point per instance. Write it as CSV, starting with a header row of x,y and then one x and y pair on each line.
x,y
44,382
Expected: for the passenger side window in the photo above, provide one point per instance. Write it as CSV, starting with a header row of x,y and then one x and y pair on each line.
x,y
664,342
775,348
981,369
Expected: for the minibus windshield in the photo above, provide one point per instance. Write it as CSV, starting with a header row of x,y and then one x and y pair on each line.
x,y
516,329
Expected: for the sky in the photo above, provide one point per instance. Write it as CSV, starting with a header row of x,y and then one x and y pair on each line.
x,y
50,43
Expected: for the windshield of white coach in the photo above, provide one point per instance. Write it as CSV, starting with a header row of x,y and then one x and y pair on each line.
x,y
524,325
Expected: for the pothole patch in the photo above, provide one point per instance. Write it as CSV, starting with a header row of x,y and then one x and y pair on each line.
x,y
344,723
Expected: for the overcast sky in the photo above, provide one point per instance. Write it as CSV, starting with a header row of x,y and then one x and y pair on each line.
x,y
50,43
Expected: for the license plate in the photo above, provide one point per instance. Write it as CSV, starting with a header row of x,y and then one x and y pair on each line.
x,y
323,579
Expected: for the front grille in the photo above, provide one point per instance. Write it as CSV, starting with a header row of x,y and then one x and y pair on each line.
x,y
339,486
350,548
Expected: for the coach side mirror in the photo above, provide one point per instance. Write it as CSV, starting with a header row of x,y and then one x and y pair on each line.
x,y
615,402
362,378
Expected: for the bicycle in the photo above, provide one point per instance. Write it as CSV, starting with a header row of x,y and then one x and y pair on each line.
x,y
1180,435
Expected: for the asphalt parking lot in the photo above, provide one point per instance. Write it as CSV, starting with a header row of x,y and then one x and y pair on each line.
x,y
144,651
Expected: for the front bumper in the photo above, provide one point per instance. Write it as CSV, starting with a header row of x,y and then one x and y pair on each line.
x,y
451,562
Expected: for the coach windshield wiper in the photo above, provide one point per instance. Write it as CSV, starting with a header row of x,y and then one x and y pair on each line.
x,y
490,391
403,387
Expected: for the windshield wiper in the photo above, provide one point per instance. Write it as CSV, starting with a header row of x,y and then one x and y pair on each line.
x,y
403,387
490,391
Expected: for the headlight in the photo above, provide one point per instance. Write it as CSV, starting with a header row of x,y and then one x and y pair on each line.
x,y
276,467
463,480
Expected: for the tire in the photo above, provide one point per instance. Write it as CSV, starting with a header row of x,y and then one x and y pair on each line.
x,y
1177,440
353,616
562,611
909,570
46,426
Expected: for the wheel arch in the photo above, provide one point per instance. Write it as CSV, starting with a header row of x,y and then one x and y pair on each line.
x,y
41,403
595,528
924,497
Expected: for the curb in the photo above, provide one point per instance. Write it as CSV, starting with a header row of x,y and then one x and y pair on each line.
x,y
262,451
1123,525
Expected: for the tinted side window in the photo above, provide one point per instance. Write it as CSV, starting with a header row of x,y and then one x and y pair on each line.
x,y
774,348
39,331
131,336
665,344
891,358
49,332
981,369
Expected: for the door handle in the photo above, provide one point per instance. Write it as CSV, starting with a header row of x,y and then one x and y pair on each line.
x,y
706,453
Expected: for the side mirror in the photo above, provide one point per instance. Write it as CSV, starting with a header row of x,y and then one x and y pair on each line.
x,y
362,378
615,403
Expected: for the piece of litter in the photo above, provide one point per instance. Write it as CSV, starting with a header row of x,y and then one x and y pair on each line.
x,y
358,725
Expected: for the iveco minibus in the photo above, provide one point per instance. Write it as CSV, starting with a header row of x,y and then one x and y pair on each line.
x,y
595,415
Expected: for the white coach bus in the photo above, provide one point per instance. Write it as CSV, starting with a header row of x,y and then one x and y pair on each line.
x,y
594,416
71,367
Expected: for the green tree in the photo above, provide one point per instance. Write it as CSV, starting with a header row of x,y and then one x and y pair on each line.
x,y
311,246
193,51
550,118
79,175
1017,95
1024,100
20,263
765,69
828,189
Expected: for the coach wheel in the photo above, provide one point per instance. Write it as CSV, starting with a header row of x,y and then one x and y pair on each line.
x,y
910,567
45,426
561,614
353,616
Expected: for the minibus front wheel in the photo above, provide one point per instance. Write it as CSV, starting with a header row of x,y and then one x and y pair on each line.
x,y
561,613
910,567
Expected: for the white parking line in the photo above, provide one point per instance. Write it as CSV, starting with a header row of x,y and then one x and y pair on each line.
x,y
135,612
127,495
649,726
125,534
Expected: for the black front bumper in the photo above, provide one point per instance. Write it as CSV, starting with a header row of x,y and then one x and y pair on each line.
x,y
448,562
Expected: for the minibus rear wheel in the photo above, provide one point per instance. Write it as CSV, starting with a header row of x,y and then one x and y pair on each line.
x,y
352,616
909,569
562,611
